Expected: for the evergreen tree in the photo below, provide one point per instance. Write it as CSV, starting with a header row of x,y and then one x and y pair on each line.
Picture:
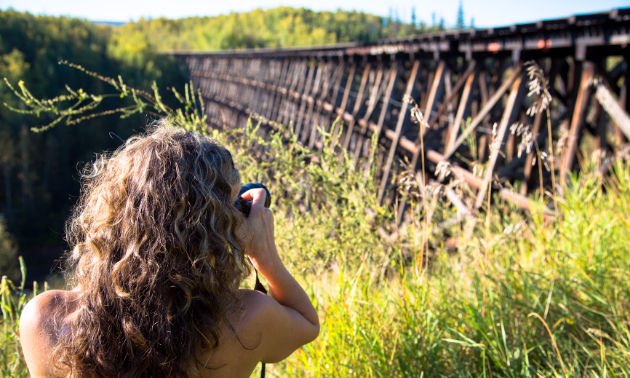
x,y
413,16
472,22
460,24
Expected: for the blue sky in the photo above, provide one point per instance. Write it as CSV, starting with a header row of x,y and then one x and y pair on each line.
x,y
486,13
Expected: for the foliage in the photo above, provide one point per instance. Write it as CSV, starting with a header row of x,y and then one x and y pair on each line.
x,y
12,300
38,171
519,297
277,27
8,252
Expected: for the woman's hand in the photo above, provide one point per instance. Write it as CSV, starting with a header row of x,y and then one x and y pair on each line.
x,y
259,234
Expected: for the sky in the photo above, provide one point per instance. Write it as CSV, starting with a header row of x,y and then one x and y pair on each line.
x,y
486,13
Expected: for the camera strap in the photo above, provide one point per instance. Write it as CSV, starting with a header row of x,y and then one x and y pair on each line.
x,y
259,287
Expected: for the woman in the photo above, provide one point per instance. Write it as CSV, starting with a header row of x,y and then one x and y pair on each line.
x,y
159,252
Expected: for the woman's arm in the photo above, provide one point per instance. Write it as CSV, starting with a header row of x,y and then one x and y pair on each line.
x,y
292,319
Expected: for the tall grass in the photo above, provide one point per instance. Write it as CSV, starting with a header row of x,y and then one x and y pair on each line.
x,y
519,296
526,298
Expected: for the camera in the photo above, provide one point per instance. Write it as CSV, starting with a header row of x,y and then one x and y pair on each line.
x,y
246,206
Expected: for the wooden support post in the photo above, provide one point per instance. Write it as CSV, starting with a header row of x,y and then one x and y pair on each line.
x,y
344,101
577,122
612,107
401,119
494,154
464,103
357,105
435,86
455,90
448,99
307,119
393,74
296,86
307,90
318,116
486,109
375,94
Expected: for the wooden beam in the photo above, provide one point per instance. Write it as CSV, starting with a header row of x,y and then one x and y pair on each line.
x,y
455,90
464,103
307,91
476,183
388,95
375,94
485,110
578,120
357,105
435,86
401,119
612,107
494,154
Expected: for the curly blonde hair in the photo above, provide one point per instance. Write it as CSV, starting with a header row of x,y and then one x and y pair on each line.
x,y
156,257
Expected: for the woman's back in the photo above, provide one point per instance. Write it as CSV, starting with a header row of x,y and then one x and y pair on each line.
x,y
159,253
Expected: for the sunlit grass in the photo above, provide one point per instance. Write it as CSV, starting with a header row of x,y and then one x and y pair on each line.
x,y
521,298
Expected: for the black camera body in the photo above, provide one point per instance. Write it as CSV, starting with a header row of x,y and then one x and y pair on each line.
x,y
246,206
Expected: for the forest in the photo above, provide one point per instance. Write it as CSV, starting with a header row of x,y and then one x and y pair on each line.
x,y
40,170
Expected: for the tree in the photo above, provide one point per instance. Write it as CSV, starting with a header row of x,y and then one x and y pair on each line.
x,y
460,24
472,22
413,16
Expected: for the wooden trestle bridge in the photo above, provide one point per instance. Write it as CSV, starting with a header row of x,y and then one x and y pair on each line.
x,y
464,82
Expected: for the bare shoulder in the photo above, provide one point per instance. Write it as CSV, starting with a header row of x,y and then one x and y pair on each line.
x,y
256,305
40,322
280,329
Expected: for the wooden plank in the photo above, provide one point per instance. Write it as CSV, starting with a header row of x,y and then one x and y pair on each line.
x,y
448,94
464,104
494,154
484,111
393,74
435,86
279,96
578,120
612,107
296,86
317,117
338,79
307,90
357,105
344,101
308,119
401,119
375,93
455,90
476,183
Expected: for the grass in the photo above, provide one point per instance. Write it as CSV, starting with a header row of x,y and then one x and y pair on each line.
x,y
524,297
517,297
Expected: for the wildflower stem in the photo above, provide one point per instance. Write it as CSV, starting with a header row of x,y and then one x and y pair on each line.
x,y
553,168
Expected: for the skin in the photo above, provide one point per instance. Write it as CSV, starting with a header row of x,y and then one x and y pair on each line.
x,y
270,327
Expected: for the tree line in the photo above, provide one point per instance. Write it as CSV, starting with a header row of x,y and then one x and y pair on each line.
x,y
39,171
